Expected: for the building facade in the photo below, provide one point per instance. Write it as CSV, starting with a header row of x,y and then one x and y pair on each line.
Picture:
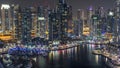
x,y
26,25
6,18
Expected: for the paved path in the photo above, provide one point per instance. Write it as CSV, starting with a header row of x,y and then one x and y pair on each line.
x,y
105,54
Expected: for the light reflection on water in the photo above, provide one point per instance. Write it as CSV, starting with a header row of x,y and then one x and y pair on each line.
x,y
96,58
56,55
77,57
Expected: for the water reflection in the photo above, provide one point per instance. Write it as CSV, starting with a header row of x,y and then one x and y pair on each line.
x,y
42,62
78,57
96,58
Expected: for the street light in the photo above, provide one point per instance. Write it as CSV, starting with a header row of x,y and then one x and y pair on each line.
x,y
111,13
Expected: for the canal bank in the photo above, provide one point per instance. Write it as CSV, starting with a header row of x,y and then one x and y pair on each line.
x,y
63,47
110,59
76,57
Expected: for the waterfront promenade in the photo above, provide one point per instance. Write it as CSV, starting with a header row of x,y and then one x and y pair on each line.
x,y
105,54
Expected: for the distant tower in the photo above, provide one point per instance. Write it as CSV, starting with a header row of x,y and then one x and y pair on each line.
x,y
6,17
117,36
110,21
59,19
26,25
118,8
70,21
96,24
81,14
80,17
54,28
90,12
101,11
63,10
41,22
17,22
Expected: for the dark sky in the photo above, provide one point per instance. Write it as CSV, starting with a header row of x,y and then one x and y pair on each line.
x,y
76,4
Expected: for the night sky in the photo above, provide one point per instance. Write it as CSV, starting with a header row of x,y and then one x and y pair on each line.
x,y
76,4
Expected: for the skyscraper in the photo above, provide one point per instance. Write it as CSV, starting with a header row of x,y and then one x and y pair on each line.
x,y
77,27
26,25
117,13
12,17
18,22
108,24
63,10
41,22
54,26
81,14
70,21
80,18
95,28
34,20
6,18
47,9
97,24
90,12
110,21
58,21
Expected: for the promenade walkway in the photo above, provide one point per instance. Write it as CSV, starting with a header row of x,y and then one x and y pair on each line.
x,y
105,54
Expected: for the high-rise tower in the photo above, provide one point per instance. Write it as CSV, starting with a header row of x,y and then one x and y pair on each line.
x,y
26,25
63,10
90,12
59,19
117,12
6,17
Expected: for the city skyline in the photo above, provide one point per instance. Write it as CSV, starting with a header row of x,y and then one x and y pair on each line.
x,y
76,4
60,34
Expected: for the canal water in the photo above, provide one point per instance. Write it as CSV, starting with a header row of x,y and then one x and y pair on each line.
x,y
77,57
